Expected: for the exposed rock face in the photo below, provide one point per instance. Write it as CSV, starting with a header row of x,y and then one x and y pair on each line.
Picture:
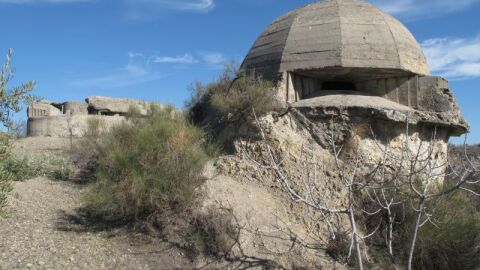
x,y
274,226
72,118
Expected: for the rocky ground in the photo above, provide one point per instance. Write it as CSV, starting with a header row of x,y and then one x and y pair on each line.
x,y
41,231
44,230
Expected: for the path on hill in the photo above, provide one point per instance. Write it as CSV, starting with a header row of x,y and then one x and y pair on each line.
x,y
38,233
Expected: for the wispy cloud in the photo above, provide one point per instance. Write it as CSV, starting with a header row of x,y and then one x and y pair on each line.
x,y
205,58
214,58
42,1
454,58
185,59
151,9
415,9
136,71
143,68
189,5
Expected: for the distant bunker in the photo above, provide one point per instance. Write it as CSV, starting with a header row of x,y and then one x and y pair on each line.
x,y
72,118
349,59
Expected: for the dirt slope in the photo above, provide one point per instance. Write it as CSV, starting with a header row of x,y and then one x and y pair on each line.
x,y
40,233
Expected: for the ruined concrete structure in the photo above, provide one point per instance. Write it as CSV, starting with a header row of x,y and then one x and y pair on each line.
x,y
352,77
350,57
71,118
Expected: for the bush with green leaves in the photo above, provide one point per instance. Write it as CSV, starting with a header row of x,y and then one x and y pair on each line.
x,y
11,100
450,241
232,98
225,108
146,168
6,177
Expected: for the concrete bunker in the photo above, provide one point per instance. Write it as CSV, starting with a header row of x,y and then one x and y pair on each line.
x,y
71,118
350,57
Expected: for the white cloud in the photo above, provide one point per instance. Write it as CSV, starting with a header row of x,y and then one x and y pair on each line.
x,y
149,9
42,1
191,5
185,59
133,73
454,58
140,69
415,9
214,58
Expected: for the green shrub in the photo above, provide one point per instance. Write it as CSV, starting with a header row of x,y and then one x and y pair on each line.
x,y
6,177
232,98
57,168
224,108
146,168
453,244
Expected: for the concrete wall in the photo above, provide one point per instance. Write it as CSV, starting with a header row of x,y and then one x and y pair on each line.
x,y
41,109
424,93
75,108
66,125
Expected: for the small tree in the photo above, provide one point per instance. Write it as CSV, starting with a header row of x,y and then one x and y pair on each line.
x,y
410,181
13,99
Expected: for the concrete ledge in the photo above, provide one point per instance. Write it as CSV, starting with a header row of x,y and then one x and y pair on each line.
x,y
68,125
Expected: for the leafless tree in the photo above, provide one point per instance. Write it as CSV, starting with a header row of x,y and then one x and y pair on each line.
x,y
417,172
421,174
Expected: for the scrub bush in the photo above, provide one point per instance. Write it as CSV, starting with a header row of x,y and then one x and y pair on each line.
x,y
146,168
224,108
452,243
6,177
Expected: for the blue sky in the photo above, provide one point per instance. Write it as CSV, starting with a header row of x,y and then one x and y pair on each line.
x,y
156,49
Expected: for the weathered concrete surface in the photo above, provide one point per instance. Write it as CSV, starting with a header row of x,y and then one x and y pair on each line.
x,y
361,108
42,108
72,118
74,108
116,105
336,34
65,126
334,43
345,99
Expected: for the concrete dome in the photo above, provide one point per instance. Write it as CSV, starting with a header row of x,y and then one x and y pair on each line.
x,y
337,38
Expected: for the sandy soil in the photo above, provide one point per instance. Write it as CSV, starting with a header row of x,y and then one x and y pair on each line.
x,y
41,230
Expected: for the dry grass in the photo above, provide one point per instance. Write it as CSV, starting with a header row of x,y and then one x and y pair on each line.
x,y
224,108
213,233
145,169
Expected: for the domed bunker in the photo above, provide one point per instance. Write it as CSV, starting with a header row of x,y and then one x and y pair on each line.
x,y
350,56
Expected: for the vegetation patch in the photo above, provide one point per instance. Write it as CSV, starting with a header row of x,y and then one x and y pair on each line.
x,y
6,177
225,108
450,241
145,169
